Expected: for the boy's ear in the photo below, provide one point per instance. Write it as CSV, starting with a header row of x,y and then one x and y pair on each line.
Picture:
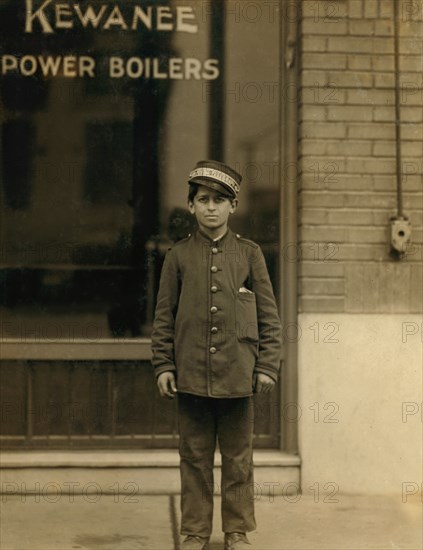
x,y
191,207
234,205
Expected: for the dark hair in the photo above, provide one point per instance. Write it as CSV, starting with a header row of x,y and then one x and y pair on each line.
x,y
193,190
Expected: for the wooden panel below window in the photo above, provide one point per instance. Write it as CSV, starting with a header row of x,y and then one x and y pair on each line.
x,y
97,404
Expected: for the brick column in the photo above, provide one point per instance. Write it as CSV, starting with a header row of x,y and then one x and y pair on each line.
x,y
348,160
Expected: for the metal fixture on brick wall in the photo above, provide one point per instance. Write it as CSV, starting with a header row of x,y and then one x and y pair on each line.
x,y
400,225
400,235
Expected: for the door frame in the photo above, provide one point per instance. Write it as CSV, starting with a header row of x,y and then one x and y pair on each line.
x,y
289,177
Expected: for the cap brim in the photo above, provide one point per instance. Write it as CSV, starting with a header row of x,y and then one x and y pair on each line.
x,y
221,188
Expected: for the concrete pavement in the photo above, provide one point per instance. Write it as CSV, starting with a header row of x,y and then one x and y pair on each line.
x,y
128,521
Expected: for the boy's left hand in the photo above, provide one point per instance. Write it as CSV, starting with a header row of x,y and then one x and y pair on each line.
x,y
264,384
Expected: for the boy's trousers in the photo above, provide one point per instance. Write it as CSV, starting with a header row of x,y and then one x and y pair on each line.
x,y
202,420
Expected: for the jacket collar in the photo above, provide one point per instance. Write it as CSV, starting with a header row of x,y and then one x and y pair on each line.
x,y
205,238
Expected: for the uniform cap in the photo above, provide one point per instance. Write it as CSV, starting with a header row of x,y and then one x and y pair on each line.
x,y
217,176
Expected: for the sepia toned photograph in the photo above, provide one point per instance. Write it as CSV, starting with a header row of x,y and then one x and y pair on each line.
x,y
211,274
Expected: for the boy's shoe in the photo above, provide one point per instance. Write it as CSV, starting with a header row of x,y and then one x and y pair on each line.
x,y
192,542
236,541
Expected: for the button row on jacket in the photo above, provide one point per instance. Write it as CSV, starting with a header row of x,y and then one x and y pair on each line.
x,y
213,289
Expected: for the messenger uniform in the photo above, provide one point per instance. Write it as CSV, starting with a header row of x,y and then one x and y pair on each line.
x,y
216,326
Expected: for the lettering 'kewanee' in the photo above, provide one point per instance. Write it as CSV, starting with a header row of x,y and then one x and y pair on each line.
x,y
50,17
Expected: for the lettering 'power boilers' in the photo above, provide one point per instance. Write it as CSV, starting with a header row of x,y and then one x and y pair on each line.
x,y
70,66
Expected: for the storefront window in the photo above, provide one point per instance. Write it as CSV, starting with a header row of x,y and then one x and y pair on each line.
x,y
106,107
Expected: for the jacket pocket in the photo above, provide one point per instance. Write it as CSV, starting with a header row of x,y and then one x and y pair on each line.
x,y
246,317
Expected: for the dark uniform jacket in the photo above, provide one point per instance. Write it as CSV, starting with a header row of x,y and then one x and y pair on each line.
x,y
216,322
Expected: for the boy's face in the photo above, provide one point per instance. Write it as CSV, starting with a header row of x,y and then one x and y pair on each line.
x,y
212,209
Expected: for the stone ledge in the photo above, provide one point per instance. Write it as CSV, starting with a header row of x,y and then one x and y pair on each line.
x,y
145,458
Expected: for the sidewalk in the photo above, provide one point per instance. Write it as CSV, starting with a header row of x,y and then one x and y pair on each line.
x,y
123,522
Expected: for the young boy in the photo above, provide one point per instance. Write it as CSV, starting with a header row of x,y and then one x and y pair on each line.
x,y
216,340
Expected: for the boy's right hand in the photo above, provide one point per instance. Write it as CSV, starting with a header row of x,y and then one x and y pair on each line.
x,y
167,384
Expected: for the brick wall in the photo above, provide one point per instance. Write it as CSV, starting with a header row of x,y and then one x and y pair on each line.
x,y
348,156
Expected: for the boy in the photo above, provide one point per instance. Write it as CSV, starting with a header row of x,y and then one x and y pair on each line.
x,y
216,340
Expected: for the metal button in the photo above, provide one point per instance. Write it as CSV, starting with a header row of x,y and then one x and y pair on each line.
x,y
214,330
214,288
213,350
215,250
213,269
213,309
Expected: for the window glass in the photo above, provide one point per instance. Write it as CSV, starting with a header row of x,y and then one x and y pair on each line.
x,y
105,109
